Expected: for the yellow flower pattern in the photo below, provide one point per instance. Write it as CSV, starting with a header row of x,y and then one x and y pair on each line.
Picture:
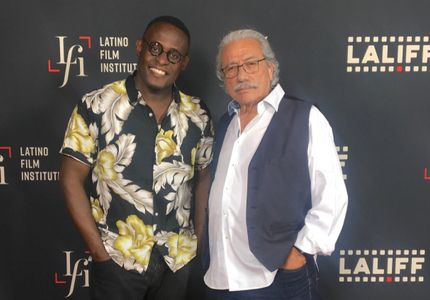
x,y
96,210
119,87
104,167
182,248
164,144
187,105
135,239
78,136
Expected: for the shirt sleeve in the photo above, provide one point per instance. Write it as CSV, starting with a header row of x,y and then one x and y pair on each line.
x,y
204,154
80,138
324,220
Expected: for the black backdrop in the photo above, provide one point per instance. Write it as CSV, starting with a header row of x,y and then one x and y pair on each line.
x,y
364,63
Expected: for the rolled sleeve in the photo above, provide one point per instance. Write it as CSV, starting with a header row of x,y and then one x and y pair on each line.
x,y
325,219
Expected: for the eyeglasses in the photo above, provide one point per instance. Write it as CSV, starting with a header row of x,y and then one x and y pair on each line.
x,y
249,67
156,49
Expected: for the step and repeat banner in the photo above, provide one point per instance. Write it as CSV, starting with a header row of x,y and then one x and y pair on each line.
x,y
366,63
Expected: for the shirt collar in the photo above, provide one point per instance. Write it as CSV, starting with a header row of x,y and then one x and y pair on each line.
x,y
232,107
272,99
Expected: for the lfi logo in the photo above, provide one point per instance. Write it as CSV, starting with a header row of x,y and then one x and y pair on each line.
x,y
70,56
75,269
8,151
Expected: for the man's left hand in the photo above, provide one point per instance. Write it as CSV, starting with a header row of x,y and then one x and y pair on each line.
x,y
295,260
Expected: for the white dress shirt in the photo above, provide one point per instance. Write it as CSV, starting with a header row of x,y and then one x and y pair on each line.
x,y
232,264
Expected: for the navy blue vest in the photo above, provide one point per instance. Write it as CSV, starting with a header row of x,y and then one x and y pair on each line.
x,y
279,195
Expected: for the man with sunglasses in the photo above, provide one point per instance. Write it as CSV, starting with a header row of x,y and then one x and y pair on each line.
x,y
278,196
147,146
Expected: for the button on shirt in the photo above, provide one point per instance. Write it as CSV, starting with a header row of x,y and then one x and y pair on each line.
x,y
232,264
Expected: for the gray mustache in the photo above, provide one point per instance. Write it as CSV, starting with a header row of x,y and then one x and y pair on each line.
x,y
244,85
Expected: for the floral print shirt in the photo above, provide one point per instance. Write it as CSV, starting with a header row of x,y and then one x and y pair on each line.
x,y
142,174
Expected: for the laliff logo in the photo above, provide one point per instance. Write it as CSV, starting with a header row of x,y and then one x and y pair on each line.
x,y
5,151
342,153
76,273
70,56
382,266
388,54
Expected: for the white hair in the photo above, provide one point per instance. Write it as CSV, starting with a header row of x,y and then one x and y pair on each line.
x,y
241,34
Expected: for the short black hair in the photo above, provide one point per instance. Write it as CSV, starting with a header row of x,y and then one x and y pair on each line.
x,y
172,21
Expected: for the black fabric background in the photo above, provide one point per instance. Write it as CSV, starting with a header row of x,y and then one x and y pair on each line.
x,y
382,117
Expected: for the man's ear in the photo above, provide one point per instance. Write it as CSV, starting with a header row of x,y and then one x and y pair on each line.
x,y
184,62
138,47
271,70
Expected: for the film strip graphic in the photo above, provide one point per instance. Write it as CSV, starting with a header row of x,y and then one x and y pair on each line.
x,y
390,69
391,54
381,266
342,152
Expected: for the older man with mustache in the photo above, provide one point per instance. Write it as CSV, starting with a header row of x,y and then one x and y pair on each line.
x,y
278,198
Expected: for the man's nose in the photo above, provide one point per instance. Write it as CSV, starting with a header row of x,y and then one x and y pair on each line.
x,y
162,59
241,74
